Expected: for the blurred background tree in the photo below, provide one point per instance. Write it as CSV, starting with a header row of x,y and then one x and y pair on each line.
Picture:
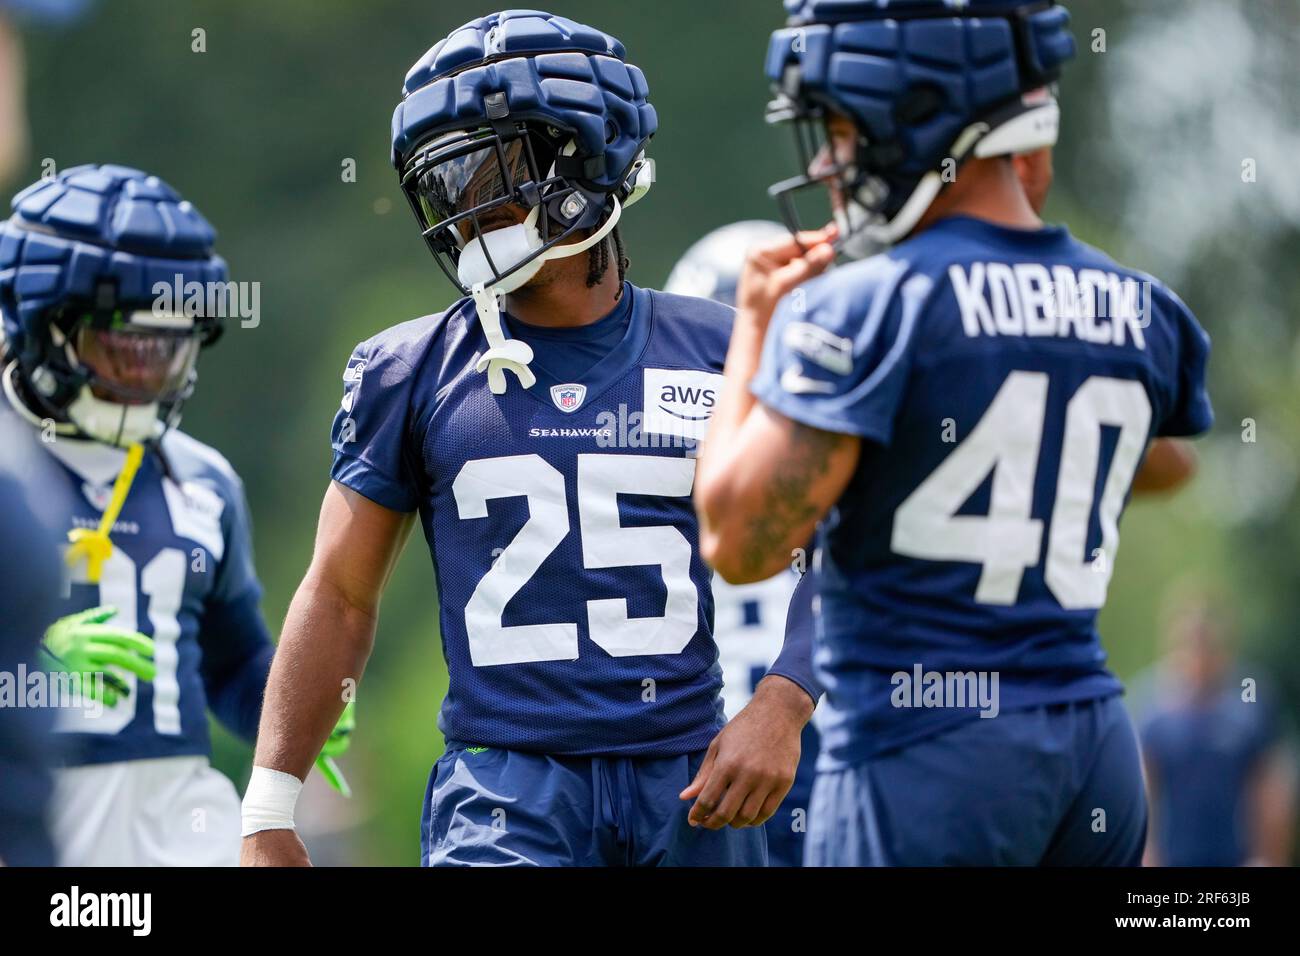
x,y
1177,156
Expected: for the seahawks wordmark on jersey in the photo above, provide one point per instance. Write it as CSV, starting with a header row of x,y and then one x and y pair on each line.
x,y
1007,383
575,610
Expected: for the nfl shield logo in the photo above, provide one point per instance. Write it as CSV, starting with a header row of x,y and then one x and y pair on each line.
x,y
97,495
568,398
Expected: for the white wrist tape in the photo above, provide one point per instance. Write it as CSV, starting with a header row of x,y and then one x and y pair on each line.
x,y
269,801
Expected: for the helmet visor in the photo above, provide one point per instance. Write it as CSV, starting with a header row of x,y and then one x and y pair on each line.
x,y
471,182
464,182
138,360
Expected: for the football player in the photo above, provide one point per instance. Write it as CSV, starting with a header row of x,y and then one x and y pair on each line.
x,y
969,412
29,590
27,583
1219,769
542,431
752,620
162,599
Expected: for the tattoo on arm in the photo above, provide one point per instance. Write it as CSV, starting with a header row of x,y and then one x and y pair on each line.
x,y
789,502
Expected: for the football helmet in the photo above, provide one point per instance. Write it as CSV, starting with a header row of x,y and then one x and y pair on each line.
x,y
926,85
86,342
515,133
711,267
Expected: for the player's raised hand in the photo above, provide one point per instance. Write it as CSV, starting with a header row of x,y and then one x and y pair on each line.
x,y
750,766
773,269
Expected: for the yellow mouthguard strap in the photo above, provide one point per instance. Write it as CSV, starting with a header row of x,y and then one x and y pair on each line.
x,y
95,546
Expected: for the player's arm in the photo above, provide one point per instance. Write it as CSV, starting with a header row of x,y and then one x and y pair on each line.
x,y
768,485
1151,852
233,637
237,653
1170,460
1272,801
326,641
1169,464
751,764
764,480
236,643
234,640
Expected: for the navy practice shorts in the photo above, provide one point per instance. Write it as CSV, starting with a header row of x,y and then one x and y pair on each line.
x,y
1051,786
493,807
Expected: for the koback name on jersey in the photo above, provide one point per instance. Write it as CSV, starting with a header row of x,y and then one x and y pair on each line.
x,y
1006,383
1027,298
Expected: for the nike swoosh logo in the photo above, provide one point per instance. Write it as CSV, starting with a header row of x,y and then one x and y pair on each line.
x,y
796,383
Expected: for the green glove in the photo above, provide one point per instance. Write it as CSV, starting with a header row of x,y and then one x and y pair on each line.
x,y
337,743
85,643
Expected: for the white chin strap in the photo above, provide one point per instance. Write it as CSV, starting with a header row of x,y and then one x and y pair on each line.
x,y
508,247
1033,129
112,423
92,417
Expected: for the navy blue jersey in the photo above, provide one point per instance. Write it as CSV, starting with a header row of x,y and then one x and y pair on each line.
x,y
182,573
1006,383
1203,757
575,610
567,353
29,588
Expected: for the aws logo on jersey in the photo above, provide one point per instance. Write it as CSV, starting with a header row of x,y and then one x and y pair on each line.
x,y
679,401
568,398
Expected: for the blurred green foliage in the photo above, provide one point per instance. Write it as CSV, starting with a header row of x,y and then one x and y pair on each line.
x,y
256,131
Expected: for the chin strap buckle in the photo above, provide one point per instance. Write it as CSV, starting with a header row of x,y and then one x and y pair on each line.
x,y
502,353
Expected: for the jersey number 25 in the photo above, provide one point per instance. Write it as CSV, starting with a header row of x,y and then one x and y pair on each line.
x,y
605,544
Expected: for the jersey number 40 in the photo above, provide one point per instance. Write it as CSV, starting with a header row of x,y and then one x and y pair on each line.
x,y
1007,540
